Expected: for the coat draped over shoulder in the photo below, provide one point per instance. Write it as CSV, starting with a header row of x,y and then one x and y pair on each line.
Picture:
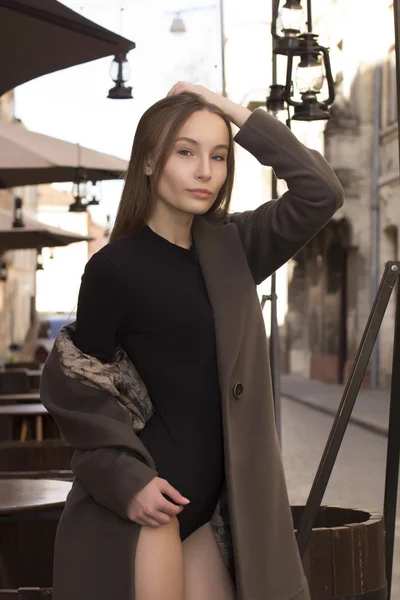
x,y
101,407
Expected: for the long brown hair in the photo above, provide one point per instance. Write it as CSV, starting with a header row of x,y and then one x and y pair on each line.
x,y
155,135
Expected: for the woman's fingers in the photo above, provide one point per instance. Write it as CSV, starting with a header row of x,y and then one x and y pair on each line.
x,y
166,488
169,508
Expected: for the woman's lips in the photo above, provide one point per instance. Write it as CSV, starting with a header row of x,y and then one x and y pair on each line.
x,y
198,193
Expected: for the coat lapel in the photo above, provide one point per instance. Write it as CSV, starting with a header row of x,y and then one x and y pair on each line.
x,y
220,256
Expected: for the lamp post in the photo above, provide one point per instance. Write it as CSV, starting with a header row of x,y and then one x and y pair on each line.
x,y
294,41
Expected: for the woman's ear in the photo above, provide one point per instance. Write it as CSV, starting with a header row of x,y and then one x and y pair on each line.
x,y
148,169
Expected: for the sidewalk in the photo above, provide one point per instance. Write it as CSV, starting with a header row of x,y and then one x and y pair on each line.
x,y
371,410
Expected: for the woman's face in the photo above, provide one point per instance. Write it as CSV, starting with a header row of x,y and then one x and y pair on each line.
x,y
197,167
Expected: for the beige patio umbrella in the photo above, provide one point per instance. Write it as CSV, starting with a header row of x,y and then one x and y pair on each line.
x,y
28,158
42,36
34,234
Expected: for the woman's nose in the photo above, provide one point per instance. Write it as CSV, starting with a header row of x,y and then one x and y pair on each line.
x,y
203,169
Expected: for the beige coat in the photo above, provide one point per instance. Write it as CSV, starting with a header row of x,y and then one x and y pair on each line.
x,y
95,546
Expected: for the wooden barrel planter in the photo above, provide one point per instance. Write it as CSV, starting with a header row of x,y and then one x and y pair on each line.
x,y
345,556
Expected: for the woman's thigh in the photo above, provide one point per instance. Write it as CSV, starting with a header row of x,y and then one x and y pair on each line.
x,y
205,574
159,563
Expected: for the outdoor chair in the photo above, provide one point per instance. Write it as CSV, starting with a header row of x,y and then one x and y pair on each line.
x,y
49,459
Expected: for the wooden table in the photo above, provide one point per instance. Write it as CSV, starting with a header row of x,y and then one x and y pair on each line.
x,y
21,495
22,410
29,513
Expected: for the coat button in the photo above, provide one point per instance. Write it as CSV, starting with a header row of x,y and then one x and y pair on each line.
x,y
238,390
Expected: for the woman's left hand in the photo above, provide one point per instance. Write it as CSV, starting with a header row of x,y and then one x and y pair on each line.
x,y
235,113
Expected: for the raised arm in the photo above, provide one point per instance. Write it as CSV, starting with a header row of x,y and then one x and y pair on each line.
x,y
277,230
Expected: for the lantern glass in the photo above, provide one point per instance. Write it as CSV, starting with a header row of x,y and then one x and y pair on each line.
x,y
291,18
80,189
120,70
310,76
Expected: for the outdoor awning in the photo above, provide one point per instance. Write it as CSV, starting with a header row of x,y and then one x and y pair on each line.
x,y
34,235
42,36
28,158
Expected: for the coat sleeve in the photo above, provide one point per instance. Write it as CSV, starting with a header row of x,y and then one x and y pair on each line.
x,y
109,459
278,229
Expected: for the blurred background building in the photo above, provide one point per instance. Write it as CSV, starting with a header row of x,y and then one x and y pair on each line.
x,y
334,279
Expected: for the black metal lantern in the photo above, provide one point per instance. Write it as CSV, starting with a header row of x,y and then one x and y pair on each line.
x,y
79,191
120,73
3,271
94,192
39,260
276,99
18,219
314,65
289,19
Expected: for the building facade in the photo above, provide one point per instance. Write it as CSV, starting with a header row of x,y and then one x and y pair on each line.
x,y
333,281
17,292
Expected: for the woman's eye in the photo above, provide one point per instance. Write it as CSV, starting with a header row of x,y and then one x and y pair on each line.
x,y
218,157
184,152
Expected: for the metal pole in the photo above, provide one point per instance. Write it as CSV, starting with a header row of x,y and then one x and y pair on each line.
x,y
309,17
274,345
393,453
375,216
222,33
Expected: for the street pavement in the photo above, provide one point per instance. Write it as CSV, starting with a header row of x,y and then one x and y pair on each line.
x,y
358,477
371,409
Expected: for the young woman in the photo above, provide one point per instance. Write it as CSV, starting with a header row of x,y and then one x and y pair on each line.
x,y
163,386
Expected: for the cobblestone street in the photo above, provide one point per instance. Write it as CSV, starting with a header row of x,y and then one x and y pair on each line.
x,y
359,474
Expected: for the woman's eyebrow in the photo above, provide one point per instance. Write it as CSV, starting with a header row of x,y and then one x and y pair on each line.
x,y
187,139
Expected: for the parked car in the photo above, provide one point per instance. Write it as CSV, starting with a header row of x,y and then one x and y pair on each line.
x,y
49,325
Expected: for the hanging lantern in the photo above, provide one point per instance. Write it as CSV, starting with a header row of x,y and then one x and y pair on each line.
x,y
120,73
18,218
94,192
276,99
3,271
79,191
39,260
289,20
178,25
314,65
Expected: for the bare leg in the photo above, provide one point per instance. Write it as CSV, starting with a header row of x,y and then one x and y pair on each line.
x,y
205,574
159,563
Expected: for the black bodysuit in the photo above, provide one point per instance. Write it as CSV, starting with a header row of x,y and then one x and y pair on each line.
x,y
148,295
